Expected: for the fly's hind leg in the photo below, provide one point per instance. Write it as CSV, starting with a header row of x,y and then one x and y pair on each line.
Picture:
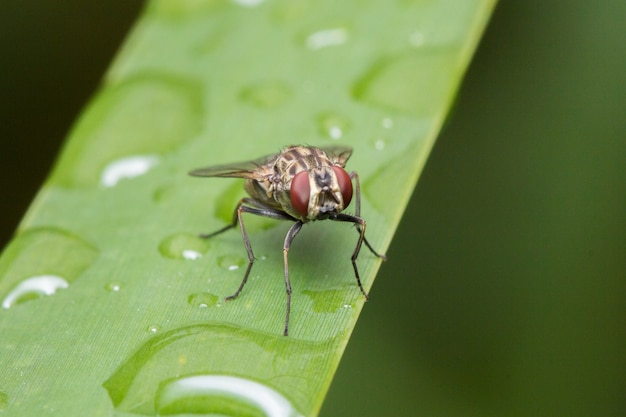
x,y
248,205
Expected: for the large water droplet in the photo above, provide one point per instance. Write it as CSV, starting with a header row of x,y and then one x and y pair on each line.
x,y
381,187
183,246
146,383
333,125
417,84
40,261
202,299
326,37
34,288
143,115
266,94
129,167
222,395
230,262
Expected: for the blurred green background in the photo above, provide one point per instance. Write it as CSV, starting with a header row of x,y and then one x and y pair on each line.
x,y
505,292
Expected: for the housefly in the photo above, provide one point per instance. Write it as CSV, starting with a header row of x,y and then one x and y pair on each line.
x,y
299,184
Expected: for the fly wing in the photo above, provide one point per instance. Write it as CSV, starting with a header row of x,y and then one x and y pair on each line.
x,y
255,169
338,154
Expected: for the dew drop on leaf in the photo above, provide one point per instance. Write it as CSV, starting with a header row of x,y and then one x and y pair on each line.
x,y
332,125
230,262
183,246
202,299
34,288
266,94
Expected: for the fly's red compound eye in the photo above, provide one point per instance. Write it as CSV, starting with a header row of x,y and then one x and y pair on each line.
x,y
345,185
300,192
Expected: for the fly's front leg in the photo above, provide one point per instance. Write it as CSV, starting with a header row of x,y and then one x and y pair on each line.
x,y
360,223
293,231
357,213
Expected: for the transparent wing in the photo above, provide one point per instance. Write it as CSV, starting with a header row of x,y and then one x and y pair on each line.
x,y
254,169
338,154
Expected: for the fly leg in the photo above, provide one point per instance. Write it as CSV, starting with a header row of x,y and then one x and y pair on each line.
x,y
360,224
293,231
357,213
248,205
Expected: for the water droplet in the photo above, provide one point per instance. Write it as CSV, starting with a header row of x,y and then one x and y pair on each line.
x,y
202,299
230,262
381,187
37,260
223,395
154,328
327,37
248,3
34,288
183,246
266,94
164,193
4,401
147,383
113,286
380,144
225,206
386,122
416,84
145,114
328,301
129,167
333,125
416,39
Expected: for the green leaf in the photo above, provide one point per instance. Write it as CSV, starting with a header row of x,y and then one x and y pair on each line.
x,y
112,302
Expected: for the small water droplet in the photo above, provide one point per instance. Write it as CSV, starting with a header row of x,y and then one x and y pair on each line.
x,y
416,39
113,286
164,193
328,301
379,144
154,328
34,288
266,94
230,262
183,246
386,122
333,125
124,168
415,84
202,299
326,37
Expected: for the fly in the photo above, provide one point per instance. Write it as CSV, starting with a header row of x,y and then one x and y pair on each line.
x,y
299,184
